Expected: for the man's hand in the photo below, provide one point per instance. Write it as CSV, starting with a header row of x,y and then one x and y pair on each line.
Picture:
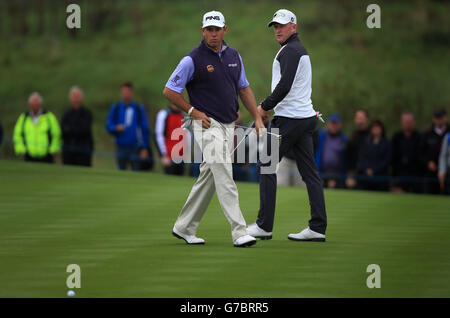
x,y
198,115
120,128
264,114
259,125
432,166
166,161
144,154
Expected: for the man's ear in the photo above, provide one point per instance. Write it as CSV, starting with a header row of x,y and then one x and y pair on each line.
x,y
201,30
225,29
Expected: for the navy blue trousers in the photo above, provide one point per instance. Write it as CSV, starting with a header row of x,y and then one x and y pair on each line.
x,y
297,140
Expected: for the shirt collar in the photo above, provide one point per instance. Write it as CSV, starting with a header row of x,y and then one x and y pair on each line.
x,y
39,113
224,46
293,37
81,108
122,102
438,131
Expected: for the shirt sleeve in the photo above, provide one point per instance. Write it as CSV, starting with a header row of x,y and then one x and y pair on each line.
x,y
242,83
110,124
182,75
55,130
19,143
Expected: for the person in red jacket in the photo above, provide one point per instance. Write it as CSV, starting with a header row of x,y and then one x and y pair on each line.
x,y
167,120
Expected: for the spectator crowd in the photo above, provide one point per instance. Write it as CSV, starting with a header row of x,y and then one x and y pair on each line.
x,y
410,161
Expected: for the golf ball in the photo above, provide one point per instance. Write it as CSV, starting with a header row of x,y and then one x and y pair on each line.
x,y
71,293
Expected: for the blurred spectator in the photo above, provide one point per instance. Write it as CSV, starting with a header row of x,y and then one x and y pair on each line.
x,y
374,158
76,125
444,165
288,174
167,120
430,150
37,134
330,154
354,144
405,153
127,121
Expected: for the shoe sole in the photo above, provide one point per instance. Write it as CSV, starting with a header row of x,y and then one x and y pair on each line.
x,y
247,244
307,240
263,238
181,238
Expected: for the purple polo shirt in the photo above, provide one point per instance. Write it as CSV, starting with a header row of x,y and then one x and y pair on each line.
x,y
184,73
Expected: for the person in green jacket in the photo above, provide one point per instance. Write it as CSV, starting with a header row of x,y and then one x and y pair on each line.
x,y
37,135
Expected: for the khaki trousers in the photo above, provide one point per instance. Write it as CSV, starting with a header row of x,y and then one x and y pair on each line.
x,y
216,175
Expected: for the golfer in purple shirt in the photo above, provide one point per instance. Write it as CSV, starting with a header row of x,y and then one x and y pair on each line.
x,y
184,73
214,76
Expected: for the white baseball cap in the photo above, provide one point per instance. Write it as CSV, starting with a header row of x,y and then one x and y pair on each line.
x,y
214,18
283,16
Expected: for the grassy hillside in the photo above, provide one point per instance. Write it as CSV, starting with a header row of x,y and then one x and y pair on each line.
x,y
401,66
116,226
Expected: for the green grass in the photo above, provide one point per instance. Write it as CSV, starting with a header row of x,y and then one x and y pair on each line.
x,y
116,226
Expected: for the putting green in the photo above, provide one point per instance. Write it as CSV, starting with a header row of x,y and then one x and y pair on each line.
x,y
117,227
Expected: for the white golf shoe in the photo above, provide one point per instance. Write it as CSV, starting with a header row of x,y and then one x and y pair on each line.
x,y
244,241
257,232
190,239
307,235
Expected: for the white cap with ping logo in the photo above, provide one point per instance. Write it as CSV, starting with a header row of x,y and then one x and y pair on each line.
x,y
213,18
283,16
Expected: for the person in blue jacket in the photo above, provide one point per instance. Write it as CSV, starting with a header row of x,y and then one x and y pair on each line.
x,y
330,154
374,159
127,121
